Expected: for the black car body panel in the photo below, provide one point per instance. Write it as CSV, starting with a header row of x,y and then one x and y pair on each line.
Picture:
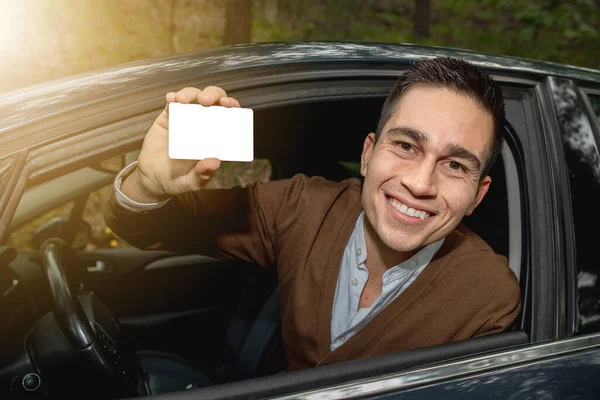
x,y
572,375
28,105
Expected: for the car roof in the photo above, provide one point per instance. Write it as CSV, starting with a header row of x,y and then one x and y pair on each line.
x,y
22,106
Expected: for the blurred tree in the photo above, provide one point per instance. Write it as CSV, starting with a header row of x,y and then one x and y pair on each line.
x,y
172,27
43,40
421,18
238,22
271,10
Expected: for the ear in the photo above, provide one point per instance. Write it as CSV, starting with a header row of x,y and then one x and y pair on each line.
x,y
482,189
366,153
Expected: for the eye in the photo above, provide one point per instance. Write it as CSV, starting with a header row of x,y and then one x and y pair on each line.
x,y
405,146
456,166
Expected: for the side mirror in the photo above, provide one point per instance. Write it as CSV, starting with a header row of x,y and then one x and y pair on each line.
x,y
60,227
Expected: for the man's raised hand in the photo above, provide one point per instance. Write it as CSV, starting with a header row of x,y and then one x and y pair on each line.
x,y
158,177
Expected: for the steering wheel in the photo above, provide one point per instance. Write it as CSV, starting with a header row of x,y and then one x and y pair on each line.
x,y
89,328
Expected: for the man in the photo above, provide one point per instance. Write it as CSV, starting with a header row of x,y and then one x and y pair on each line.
x,y
364,268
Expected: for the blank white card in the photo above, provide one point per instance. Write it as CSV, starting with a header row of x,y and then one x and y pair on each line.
x,y
197,132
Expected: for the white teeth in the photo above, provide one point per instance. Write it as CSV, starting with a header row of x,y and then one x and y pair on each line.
x,y
404,209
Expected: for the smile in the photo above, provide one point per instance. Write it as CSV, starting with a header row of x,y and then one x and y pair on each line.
x,y
404,209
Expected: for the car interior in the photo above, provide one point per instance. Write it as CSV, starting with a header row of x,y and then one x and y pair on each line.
x,y
194,321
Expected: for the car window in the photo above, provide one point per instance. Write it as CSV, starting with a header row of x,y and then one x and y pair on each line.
x,y
45,209
583,162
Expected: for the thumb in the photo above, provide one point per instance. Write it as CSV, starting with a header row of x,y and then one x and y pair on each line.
x,y
207,168
163,117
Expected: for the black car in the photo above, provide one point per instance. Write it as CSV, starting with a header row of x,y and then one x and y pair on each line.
x,y
62,143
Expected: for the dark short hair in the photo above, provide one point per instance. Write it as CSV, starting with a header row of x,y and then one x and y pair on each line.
x,y
460,76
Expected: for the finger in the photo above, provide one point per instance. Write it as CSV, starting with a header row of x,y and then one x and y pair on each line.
x,y
229,102
170,97
211,95
187,95
207,168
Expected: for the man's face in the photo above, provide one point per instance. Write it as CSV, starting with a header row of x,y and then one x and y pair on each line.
x,y
423,174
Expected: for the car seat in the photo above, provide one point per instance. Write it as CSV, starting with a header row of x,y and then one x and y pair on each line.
x,y
254,345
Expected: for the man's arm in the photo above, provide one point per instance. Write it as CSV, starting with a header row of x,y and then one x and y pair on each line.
x,y
235,223
505,320
503,303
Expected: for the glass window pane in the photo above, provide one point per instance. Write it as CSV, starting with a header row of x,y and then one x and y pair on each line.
x,y
588,195
583,161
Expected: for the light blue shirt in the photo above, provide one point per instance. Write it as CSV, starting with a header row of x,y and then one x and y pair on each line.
x,y
346,318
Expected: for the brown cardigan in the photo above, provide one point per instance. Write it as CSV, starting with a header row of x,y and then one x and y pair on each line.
x,y
299,228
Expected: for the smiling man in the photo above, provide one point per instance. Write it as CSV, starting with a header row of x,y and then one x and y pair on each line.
x,y
365,267
423,169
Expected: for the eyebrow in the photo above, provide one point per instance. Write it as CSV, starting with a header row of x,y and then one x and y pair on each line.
x,y
414,134
452,149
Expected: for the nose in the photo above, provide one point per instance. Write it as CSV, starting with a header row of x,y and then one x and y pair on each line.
x,y
421,179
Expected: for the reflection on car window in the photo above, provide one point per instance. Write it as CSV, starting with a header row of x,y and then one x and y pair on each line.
x,y
80,196
21,238
113,164
595,100
583,162
232,174
102,236
4,169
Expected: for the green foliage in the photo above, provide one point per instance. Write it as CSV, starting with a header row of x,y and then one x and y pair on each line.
x,y
64,37
550,30
565,18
